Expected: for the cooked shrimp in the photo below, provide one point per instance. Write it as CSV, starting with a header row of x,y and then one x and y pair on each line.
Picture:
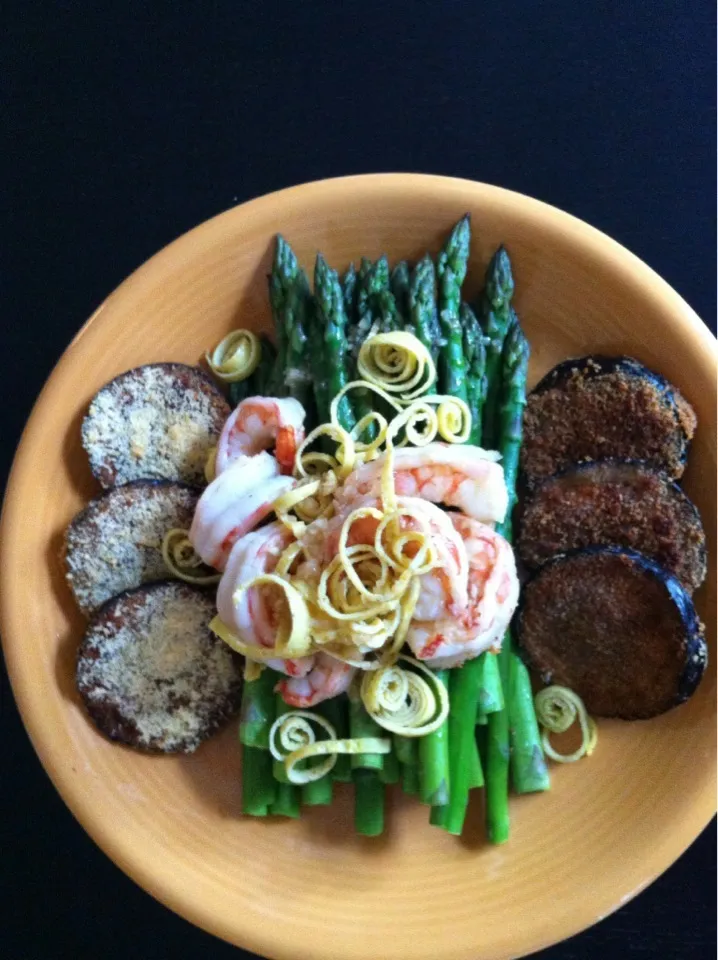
x,y
444,638
253,620
458,476
327,678
233,504
260,423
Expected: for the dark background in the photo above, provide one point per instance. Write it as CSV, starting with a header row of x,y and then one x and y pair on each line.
x,y
128,125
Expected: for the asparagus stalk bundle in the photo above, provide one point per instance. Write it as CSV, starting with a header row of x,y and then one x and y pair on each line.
x,y
481,357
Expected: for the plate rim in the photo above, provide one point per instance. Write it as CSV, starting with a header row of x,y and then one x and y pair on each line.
x,y
671,847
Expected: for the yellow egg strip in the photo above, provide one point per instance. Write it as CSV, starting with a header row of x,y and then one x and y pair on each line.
x,y
335,652
235,357
410,703
292,739
287,559
397,362
293,732
557,709
249,650
342,462
290,500
327,590
408,604
252,670
293,637
370,450
331,749
210,464
180,559
453,418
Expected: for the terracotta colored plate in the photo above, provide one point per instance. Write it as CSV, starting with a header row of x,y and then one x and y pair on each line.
x,y
311,889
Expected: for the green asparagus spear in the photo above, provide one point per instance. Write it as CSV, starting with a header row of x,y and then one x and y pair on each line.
x,y
399,282
497,765
451,269
286,802
378,280
528,764
422,307
375,301
438,816
410,779
335,710
238,391
320,368
318,793
298,372
517,721
369,283
511,403
290,298
366,268
260,382
368,803
475,353
406,750
331,316
476,775
258,710
391,771
434,759
389,318
362,725
349,290
463,696
372,280
495,313
282,275
259,788
490,694
407,753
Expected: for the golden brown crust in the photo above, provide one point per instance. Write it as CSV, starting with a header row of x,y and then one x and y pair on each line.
x,y
593,412
151,673
615,630
155,422
615,503
115,543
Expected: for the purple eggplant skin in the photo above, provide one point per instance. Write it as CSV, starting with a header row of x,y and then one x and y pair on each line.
x,y
614,502
638,415
614,627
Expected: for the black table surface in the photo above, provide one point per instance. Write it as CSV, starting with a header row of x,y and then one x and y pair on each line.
x,y
126,124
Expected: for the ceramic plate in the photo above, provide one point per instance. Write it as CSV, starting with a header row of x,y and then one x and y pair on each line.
x,y
311,889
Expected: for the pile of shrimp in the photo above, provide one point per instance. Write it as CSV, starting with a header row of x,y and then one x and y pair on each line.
x,y
464,602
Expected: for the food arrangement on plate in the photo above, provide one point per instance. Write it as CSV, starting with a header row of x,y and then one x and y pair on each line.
x,y
351,500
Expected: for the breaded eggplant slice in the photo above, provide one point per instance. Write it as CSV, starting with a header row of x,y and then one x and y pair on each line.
x,y
594,408
151,673
155,422
622,503
115,543
616,629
